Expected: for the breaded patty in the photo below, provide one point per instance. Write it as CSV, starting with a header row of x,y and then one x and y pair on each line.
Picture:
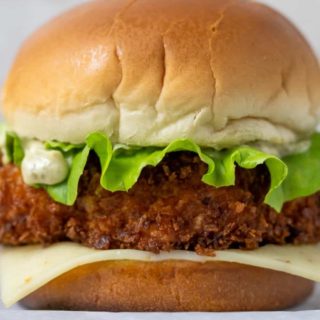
x,y
168,208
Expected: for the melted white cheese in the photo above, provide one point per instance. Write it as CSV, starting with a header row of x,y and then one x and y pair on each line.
x,y
41,166
25,269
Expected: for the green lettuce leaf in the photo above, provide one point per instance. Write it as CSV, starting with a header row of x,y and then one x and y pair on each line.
x,y
66,192
303,172
121,166
126,164
248,158
13,148
291,177
62,146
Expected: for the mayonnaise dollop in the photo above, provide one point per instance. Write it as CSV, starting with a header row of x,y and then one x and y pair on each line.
x,y
42,166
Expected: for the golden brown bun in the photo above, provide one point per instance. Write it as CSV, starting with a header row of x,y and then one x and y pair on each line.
x,y
221,72
170,286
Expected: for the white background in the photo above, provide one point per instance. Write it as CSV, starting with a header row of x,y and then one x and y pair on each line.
x,y
18,18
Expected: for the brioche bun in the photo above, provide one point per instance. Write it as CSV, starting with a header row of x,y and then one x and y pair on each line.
x,y
146,72
170,286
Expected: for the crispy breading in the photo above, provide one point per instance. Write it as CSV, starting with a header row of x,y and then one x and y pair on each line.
x,y
168,208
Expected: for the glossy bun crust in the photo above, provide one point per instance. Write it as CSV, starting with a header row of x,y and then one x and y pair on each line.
x,y
220,72
170,286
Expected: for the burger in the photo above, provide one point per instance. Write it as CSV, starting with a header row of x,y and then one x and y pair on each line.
x,y
161,156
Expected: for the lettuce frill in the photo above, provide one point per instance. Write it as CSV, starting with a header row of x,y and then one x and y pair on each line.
x,y
292,177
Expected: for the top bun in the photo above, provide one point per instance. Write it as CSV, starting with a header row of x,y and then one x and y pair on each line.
x,y
146,72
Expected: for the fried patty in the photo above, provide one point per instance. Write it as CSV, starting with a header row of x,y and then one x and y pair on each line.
x,y
168,208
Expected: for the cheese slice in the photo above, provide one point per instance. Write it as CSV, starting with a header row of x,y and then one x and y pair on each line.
x,y
25,269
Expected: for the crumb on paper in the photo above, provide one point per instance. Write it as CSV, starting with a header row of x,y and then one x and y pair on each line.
x,y
27,279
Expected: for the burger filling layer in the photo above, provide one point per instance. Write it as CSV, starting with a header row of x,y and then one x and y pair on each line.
x,y
168,208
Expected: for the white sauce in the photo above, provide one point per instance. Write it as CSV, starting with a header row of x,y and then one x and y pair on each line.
x,y
41,166
282,150
5,158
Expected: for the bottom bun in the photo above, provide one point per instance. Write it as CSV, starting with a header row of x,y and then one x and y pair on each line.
x,y
170,286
